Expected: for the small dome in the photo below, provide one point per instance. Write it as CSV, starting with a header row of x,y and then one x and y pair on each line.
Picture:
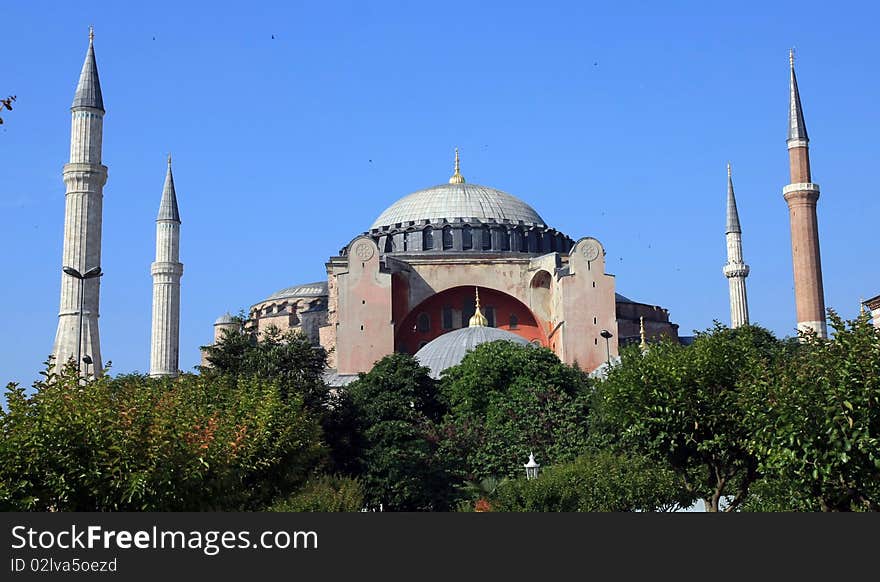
x,y
459,200
224,319
450,348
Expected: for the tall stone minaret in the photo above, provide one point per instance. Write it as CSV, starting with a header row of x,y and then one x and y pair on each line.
x,y
166,271
801,195
735,270
84,177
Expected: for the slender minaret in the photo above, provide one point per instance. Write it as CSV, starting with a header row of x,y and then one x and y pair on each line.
x,y
166,271
735,270
84,177
801,195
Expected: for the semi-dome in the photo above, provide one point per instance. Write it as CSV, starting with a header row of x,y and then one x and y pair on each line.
x,y
450,348
458,200
318,289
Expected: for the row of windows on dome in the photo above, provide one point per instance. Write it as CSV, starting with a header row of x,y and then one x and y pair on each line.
x,y
478,238
447,318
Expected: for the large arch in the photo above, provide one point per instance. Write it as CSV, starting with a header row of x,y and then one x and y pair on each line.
x,y
451,309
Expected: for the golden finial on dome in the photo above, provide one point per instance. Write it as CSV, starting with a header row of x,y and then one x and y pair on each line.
x,y
478,319
791,57
728,169
91,32
643,345
457,178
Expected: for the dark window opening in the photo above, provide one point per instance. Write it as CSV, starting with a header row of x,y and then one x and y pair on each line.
x,y
428,239
424,322
514,321
467,238
487,238
447,317
447,238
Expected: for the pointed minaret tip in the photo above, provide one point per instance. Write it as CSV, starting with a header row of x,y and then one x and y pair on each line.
x,y
457,178
797,128
168,206
88,89
732,213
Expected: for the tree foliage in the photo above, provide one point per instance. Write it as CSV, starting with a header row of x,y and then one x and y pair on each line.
x,y
325,493
508,400
396,407
685,406
816,418
137,443
599,481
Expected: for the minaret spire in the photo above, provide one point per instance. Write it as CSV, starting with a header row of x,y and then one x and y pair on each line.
x,y
457,178
735,269
166,271
802,196
84,175
797,128
88,90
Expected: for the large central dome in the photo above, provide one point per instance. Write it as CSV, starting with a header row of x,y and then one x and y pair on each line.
x,y
450,201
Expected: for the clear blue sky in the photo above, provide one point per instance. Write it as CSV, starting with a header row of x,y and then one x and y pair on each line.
x,y
612,119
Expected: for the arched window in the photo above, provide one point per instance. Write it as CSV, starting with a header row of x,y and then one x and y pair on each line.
x,y
428,239
487,238
514,321
467,238
447,238
447,317
424,322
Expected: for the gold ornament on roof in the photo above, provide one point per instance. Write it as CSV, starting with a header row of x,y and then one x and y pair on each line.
x,y
478,319
457,178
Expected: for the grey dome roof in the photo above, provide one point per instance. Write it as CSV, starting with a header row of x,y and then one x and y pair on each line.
x,y
318,289
450,348
449,201
225,318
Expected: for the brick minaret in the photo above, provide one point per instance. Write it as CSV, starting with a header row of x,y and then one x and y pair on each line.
x,y
166,271
84,177
801,195
735,270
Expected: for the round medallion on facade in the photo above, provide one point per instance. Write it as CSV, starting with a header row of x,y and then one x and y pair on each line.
x,y
364,251
591,250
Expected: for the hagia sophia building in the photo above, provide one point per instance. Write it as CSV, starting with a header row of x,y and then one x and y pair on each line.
x,y
438,271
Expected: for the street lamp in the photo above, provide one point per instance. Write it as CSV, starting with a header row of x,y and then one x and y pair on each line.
x,y
607,335
531,467
90,274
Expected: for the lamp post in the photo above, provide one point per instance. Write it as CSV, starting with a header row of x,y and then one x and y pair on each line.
x,y
607,335
531,467
90,274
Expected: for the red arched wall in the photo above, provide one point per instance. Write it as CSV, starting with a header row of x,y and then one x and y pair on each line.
x,y
408,338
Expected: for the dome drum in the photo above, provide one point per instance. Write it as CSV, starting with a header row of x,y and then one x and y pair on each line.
x,y
469,236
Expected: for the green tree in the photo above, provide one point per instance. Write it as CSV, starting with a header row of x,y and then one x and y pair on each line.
x,y
685,406
508,400
325,493
816,418
287,358
597,481
134,443
396,406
